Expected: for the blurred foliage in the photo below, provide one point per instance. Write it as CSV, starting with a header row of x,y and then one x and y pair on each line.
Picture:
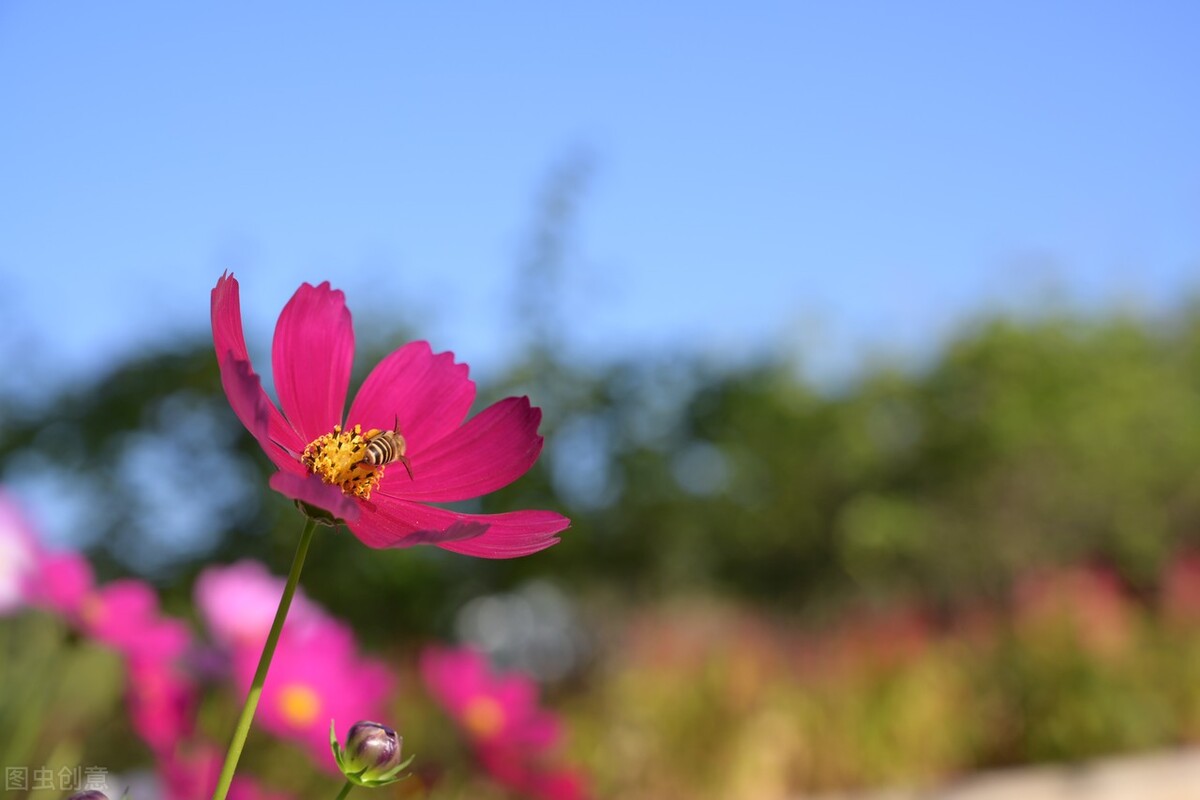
x,y
709,700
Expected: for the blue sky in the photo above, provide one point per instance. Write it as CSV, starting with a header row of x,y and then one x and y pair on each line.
x,y
831,178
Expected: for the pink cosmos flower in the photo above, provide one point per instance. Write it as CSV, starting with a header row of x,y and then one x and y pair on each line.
x,y
316,677
161,697
192,775
412,407
19,555
238,603
490,709
64,581
513,738
534,777
122,614
316,674
562,784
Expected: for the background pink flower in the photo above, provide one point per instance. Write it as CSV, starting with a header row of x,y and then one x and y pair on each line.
x,y
123,614
161,698
238,604
63,581
513,737
19,555
422,396
534,775
192,775
316,678
489,708
316,675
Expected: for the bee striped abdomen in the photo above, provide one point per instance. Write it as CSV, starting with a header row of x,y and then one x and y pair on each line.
x,y
384,449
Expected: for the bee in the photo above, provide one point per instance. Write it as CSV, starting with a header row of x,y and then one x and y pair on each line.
x,y
384,447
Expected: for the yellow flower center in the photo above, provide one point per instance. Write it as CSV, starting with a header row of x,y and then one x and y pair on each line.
x,y
299,704
92,610
483,716
338,458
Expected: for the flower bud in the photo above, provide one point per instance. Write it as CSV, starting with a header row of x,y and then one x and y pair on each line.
x,y
372,748
371,756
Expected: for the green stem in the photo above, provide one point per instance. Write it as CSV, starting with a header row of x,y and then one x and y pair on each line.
x,y
264,663
345,791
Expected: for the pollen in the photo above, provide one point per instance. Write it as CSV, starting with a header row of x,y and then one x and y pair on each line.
x,y
483,716
299,704
339,459
92,609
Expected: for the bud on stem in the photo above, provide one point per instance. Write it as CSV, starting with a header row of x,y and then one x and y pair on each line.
x,y
371,757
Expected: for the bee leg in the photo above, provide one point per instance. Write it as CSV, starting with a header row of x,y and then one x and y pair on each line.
x,y
407,466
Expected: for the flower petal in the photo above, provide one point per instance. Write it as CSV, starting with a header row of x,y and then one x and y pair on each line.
x,y
453,675
495,447
230,344
312,490
65,581
124,614
429,395
400,523
250,404
311,356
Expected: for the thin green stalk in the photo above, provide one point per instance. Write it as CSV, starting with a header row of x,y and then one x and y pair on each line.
x,y
345,791
264,663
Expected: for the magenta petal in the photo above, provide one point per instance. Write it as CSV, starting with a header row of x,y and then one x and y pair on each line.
x,y
250,404
541,731
512,534
244,390
453,676
64,582
312,490
495,447
345,685
230,344
429,395
399,523
161,699
402,524
124,615
311,357
457,532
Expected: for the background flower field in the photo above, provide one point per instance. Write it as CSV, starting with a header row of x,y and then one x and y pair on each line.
x,y
768,587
